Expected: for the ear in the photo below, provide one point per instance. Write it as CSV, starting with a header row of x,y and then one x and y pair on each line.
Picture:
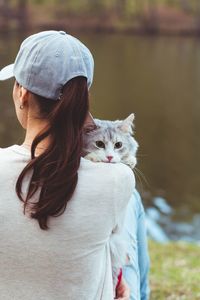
x,y
89,124
127,124
89,120
23,95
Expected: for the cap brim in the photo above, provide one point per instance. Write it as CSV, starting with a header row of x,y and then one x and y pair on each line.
x,y
7,72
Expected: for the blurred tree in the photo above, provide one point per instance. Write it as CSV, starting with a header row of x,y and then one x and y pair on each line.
x,y
13,10
185,5
197,11
96,5
121,7
4,13
152,24
22,14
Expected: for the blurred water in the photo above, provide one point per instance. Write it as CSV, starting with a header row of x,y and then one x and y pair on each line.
x,y
158,79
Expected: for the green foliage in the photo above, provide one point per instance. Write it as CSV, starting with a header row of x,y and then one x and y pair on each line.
x,y
126,7
175,271
120,15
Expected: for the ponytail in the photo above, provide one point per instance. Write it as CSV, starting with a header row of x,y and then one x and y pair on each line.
x,y
55,171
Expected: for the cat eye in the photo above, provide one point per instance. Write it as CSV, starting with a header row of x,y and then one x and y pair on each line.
x,y
118,145
100,144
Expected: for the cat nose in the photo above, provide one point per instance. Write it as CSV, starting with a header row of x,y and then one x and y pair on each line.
x,y
109,158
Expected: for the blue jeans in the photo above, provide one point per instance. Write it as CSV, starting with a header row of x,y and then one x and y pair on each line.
x,y
136,272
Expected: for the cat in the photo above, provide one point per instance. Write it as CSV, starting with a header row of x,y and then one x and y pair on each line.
x,y
111,142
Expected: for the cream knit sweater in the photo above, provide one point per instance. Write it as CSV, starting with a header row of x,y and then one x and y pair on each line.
x,y
71,260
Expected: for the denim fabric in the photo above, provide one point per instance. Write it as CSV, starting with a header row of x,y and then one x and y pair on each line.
x,y
136,271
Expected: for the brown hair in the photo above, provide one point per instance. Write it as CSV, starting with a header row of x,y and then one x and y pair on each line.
x,y
55,170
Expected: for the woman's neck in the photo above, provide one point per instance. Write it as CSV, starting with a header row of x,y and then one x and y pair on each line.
x,y
34,127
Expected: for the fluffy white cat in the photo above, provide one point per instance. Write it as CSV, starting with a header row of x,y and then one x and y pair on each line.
x,y
112,142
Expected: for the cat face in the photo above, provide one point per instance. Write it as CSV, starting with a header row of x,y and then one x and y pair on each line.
x,y
111,142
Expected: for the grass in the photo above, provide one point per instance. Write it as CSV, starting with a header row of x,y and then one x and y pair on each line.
x,y
175,271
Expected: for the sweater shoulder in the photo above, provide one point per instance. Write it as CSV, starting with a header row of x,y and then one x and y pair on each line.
x,y
117,173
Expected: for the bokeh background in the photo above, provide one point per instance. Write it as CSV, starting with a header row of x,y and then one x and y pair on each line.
x,y
147,61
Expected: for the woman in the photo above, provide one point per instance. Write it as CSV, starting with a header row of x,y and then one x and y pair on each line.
x,y
57,210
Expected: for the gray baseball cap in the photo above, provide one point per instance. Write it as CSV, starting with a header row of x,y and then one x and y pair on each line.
x,y
47,60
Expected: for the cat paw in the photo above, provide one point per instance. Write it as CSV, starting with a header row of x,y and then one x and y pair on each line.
x,y
92,157
131,162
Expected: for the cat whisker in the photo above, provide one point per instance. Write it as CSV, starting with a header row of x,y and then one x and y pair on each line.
x,y
142,155
139,173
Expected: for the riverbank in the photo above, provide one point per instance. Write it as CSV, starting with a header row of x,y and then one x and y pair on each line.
x,y
161,18
175,271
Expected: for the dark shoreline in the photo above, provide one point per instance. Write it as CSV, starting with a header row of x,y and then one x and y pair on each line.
x,y
100,30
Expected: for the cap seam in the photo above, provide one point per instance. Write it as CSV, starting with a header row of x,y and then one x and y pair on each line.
x,y
76,52
36,56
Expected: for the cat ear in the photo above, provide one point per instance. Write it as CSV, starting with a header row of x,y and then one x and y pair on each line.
x,y
127,124
87,129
